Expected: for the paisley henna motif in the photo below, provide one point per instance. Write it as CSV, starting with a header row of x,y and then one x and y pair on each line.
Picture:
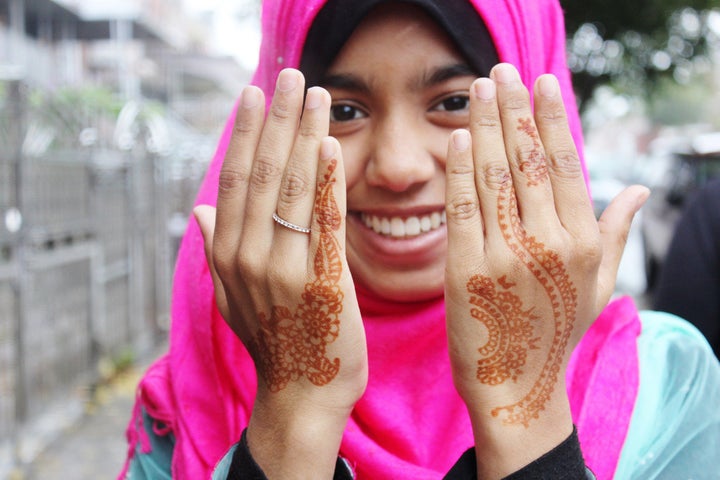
x,y
507,322
290,345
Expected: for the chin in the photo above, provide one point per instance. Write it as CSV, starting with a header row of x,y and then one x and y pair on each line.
x,y
405,290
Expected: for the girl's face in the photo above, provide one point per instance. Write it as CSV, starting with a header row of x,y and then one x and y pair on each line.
x,y
399,88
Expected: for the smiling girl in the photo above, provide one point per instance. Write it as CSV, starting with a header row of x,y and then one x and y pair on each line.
x,y
397,273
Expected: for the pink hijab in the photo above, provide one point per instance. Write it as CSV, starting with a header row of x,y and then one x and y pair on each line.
x,y
410,423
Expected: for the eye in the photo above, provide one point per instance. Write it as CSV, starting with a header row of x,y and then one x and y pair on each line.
x,y
345,113
455,103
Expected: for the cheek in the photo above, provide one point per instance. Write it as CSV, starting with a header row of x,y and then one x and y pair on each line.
x,y
354,153
439,144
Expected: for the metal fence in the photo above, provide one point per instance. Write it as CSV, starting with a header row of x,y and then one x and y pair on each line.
x,y
86,251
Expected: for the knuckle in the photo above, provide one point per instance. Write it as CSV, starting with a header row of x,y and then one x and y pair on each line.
x,y
516,103
280,112
552,114
308,129
265,171
496,177
486,121
462,206
249,265
294,186
243,126
224,264
566,163
230,179
282,278
525,150
460,169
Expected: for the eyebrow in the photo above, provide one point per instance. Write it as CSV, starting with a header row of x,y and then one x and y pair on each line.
x,y
439,75
449,72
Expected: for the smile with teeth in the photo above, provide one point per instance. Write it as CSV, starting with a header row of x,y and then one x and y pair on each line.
x,y
404,226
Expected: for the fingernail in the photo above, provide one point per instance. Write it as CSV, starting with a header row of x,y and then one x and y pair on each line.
x,y
313,99
548,86
327,148
198,214
250,97
287,81
505,73
461,140
642,197
484,89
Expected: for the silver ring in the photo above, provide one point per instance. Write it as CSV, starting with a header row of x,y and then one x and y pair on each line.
x,y
289,225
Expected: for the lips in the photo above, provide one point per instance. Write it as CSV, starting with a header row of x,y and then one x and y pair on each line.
x,y
406,226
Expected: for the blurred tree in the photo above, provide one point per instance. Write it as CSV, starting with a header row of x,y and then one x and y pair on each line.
x,y
634,45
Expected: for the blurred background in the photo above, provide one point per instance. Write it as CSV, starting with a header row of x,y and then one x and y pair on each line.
x,y
110,111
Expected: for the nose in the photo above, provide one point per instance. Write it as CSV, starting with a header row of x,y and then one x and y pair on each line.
x,y
403,154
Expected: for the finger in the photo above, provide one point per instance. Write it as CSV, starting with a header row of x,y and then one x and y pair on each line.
x,y
327,235
271,156
614,227
462,204
236,167
205,216
526,153
493,180
298,186
572,202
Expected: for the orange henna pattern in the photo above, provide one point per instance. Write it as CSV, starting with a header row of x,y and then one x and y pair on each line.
x,y
535,166
289,345
509,330
548,268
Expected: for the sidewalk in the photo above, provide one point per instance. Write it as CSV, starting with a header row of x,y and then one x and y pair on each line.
x,y
94,447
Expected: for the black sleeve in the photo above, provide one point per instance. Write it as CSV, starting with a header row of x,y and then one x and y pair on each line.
x,y
564,462
243,466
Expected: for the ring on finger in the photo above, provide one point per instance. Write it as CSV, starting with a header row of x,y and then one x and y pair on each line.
x,y
281,221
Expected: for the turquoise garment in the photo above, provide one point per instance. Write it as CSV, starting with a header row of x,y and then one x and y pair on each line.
x,y
675,427
156,464
223,467
674,431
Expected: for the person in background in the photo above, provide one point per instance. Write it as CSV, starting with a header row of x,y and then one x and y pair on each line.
x,y
689,282
396,273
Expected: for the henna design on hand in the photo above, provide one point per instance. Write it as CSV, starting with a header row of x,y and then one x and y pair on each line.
x,y
502,313
535,166
509,329
289,345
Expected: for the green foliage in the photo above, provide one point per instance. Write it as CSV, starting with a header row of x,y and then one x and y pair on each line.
x,y
619,16
637,46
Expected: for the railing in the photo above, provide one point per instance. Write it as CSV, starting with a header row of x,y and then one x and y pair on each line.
x,y
86,257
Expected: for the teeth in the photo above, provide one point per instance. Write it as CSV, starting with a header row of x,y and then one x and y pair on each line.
x,y
404,227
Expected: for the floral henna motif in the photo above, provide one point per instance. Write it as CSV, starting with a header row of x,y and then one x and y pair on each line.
x,y
290,345
509,330
548,268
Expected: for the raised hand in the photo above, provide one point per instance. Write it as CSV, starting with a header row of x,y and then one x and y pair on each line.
x,y
529,268
276,249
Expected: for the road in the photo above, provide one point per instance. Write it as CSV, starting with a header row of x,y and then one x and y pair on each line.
x,y
95,447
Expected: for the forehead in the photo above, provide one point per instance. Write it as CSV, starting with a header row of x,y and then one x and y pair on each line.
x,y
396,33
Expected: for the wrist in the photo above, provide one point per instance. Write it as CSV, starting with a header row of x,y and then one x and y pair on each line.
x,y
295,440
504,446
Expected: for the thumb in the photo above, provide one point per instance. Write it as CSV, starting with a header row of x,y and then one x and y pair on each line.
x,y
205,216
614,225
